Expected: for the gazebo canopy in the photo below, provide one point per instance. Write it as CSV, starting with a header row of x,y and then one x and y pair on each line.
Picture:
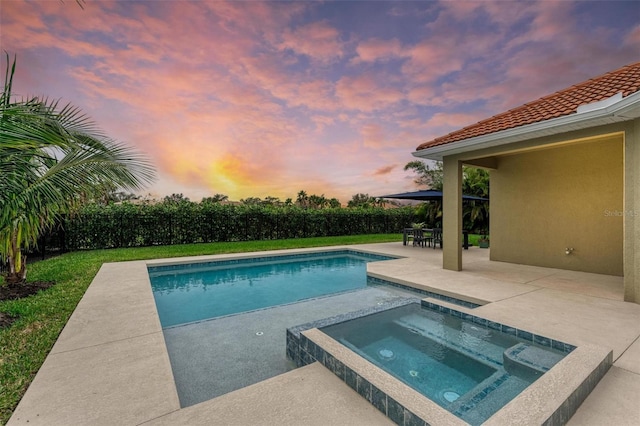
x,y
428,195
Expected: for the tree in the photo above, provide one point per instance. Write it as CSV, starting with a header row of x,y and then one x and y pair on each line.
x,y
476,213
318,201
270,201
334,203
251,201
175,199
430,213
475,181
362,200
52,157
430,176
303,199
217,198
110,194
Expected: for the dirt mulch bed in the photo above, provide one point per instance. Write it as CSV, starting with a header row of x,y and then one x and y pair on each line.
x,y
18,291
6,320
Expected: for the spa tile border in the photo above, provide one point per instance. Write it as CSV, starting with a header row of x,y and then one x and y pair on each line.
x,y
394,410
507,329
455,301
294,333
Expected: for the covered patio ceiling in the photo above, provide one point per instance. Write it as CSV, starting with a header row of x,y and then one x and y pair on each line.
x,y
428,195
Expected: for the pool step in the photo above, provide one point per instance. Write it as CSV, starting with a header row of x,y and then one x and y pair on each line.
x,y
487,397
450,305
529,361
491,354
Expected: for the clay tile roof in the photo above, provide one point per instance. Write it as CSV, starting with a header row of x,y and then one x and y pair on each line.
x,y
558,104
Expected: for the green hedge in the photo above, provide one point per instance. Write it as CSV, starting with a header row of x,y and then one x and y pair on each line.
x,y
131,225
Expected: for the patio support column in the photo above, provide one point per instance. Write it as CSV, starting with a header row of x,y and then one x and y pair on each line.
x,y
632,212
452,215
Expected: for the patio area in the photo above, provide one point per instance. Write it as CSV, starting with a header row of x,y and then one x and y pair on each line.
x,y
110,364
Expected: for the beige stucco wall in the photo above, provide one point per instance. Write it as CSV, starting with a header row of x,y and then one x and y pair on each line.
x,y
452,221
632,213
546,200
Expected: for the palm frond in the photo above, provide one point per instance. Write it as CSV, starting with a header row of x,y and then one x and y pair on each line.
x,y
49,154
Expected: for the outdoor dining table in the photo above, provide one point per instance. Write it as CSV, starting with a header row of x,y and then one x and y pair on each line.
x,y
406,232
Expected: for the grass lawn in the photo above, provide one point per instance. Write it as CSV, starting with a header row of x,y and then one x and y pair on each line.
x,y
25,344
473,239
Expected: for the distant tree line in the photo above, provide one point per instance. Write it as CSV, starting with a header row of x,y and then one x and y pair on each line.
x,y
303,200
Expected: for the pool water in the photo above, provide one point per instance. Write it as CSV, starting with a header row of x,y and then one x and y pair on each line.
x,y
468,369
442,375
195,292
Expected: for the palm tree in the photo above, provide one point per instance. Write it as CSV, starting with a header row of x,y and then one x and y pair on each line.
x,y
476,213
217,198
318,201
362,200
334,203
303,199
51,158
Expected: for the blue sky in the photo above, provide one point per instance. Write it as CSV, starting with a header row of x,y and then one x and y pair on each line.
x,y
256,99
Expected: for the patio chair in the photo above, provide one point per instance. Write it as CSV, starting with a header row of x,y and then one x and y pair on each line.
x,y
420,238
437,237
427,237
407,235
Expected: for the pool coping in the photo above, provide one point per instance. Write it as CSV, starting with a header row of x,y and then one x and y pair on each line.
x,y
175,261
247,260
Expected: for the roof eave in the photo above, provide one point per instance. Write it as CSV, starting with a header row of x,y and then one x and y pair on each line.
x,y
626,109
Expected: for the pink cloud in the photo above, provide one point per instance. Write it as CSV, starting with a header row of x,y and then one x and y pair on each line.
x,y
549,20
633,37
379,50
385,170
459,10
453,121
422,94
318,40
295,91
248,20
498,12
373,135
321,122
315,95
430,59
364,93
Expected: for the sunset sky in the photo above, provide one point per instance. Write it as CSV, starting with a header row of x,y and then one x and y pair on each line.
x,y
256,99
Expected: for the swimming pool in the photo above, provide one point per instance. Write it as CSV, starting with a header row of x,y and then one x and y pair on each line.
x,y
200,291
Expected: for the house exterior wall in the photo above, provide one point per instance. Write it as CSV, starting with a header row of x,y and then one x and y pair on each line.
x,y
546,200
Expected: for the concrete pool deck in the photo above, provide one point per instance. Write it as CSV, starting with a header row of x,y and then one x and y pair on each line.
x,y
110,364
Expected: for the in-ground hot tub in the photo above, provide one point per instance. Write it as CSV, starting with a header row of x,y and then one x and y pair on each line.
x,y
426,363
